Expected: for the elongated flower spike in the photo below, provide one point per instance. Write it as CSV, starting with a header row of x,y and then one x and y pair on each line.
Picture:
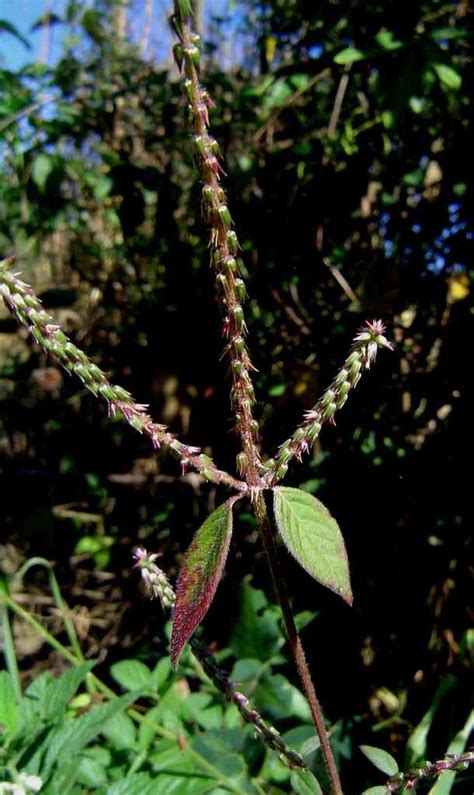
x,y
27,308
158,586
365,346
223,239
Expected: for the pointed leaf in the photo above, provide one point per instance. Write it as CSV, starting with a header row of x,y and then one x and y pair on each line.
x,y
381,759
304,783
349,55
313,537
448,76
200,575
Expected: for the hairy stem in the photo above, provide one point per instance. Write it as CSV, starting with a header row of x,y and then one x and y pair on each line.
x,y
157,585
223,240
22,302
295,642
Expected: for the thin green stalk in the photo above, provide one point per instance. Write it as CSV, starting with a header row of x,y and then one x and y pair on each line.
x,y
60,603
9,646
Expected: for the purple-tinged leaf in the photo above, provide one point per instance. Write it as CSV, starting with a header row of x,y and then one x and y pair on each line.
x,y
200,575
313,537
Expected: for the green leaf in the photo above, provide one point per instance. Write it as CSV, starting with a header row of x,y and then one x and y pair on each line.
x,y
448,76
9,712
304,783
139,784
62,690
200,575
256,632
313,537
132,675
417,743
386,40
63,743
380,790
7,27
381,759
349,55
121,731
40,171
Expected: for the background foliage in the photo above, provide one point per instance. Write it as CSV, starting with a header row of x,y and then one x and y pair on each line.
x,y
347,137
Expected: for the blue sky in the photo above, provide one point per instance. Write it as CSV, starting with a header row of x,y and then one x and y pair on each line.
x,y
24,13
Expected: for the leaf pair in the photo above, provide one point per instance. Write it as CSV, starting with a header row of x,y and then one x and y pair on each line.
x,y
309,532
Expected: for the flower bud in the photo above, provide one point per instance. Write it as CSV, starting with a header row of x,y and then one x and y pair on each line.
x,y
354,372
189,91
330,410
224,216
239,345
299,435
230,263
178,55
327,398
313,432
237,368
240,290
341,377
192,57
199,145
238,316
207,194
281,471
232,242
344,389
242,463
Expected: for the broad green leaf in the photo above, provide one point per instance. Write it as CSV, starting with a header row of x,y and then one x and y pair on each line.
x,y
349,55
313,537
448,76
381,759
200,575
40,171
121,731
62,690
304,783
62,745
256,632
139,784
9,711
379,790
132,675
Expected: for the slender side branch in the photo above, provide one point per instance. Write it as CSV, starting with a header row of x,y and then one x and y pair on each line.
x,y
158,585
295,643
223,240
429,770
363,352
22,302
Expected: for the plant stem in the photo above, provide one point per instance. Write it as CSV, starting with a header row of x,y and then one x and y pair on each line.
x,y
223,240
8,644
295,642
